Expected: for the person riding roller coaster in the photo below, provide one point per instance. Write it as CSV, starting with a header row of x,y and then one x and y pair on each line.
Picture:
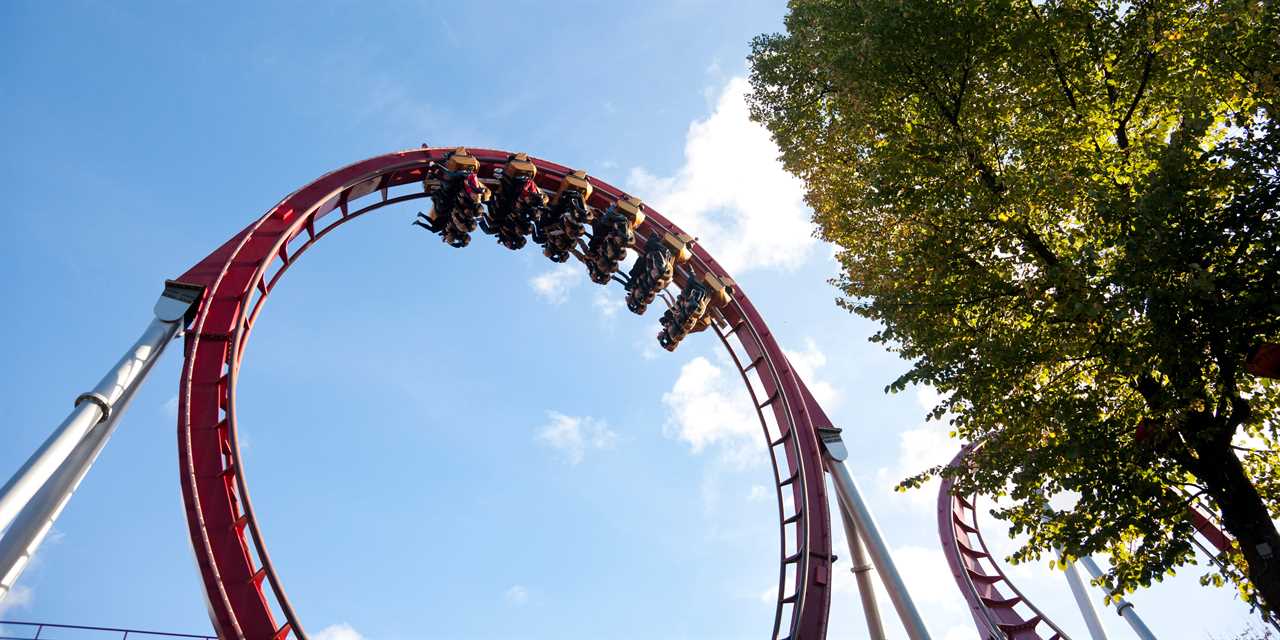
x,y
565,220
611,234
652,272
692,309
678,321
457,203
518,204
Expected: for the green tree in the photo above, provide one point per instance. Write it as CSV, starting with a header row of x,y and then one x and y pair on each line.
x,y
1064,215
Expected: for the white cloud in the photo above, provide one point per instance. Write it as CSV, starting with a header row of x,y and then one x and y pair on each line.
x,y
806,364
927,397
554,286
19,597
928,445
171,407
607,305
758,492
572,436
648,345
342,631
517,595
705,407
709,405
732,192
928,577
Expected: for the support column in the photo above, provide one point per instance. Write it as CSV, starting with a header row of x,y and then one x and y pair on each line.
x,y
861,570
1123,607
1083,601
851,501
35,521
32,499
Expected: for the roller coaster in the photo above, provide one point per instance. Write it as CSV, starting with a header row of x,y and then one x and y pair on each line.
x,y
516,198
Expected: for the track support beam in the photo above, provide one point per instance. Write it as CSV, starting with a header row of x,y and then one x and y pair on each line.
x,y
1083,601
1123,607
852,504
34,497
862,573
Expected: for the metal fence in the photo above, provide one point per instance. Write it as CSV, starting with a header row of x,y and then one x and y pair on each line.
x,y
14,630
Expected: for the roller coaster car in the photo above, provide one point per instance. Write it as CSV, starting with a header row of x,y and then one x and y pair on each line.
x,y
578,182
680,245
519,167
650,274
565,220
569,205
457,202
611,234
632,208
518,204
721,289
459,160
720,292
688,314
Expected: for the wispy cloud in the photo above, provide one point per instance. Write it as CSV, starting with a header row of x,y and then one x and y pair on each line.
x,y
573,436
554,286
732,192
19,597
342,631
705,407
925,446
608,305
517,595
709,406
807,363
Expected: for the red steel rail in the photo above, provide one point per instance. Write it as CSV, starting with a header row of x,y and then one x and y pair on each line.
x,y
999,610
244,590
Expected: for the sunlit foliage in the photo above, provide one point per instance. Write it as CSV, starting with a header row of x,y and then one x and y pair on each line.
x,y
1064,216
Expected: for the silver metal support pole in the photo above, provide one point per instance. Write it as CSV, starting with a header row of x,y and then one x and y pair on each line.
x,y
851,500
1123,607
36,494
1083,600
861,572
91,408
35,521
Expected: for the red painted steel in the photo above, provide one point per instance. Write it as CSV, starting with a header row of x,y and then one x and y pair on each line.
x,y
994,602
1264,361
238,276
1210,531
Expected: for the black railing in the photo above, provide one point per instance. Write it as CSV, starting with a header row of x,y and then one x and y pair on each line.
x,y
47,631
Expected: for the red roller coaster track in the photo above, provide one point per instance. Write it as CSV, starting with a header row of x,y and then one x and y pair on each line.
x,y
244,590
228,289
999,609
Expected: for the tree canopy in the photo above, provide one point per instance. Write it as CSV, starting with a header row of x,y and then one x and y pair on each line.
x,y
1064,215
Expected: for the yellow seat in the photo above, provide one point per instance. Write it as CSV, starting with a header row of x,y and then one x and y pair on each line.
x,y
633,209
460,160
576,181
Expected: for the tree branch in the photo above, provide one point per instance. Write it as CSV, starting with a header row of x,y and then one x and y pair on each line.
x,y
1122,135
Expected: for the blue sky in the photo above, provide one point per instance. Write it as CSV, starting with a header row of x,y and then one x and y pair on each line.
x,y
440,443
